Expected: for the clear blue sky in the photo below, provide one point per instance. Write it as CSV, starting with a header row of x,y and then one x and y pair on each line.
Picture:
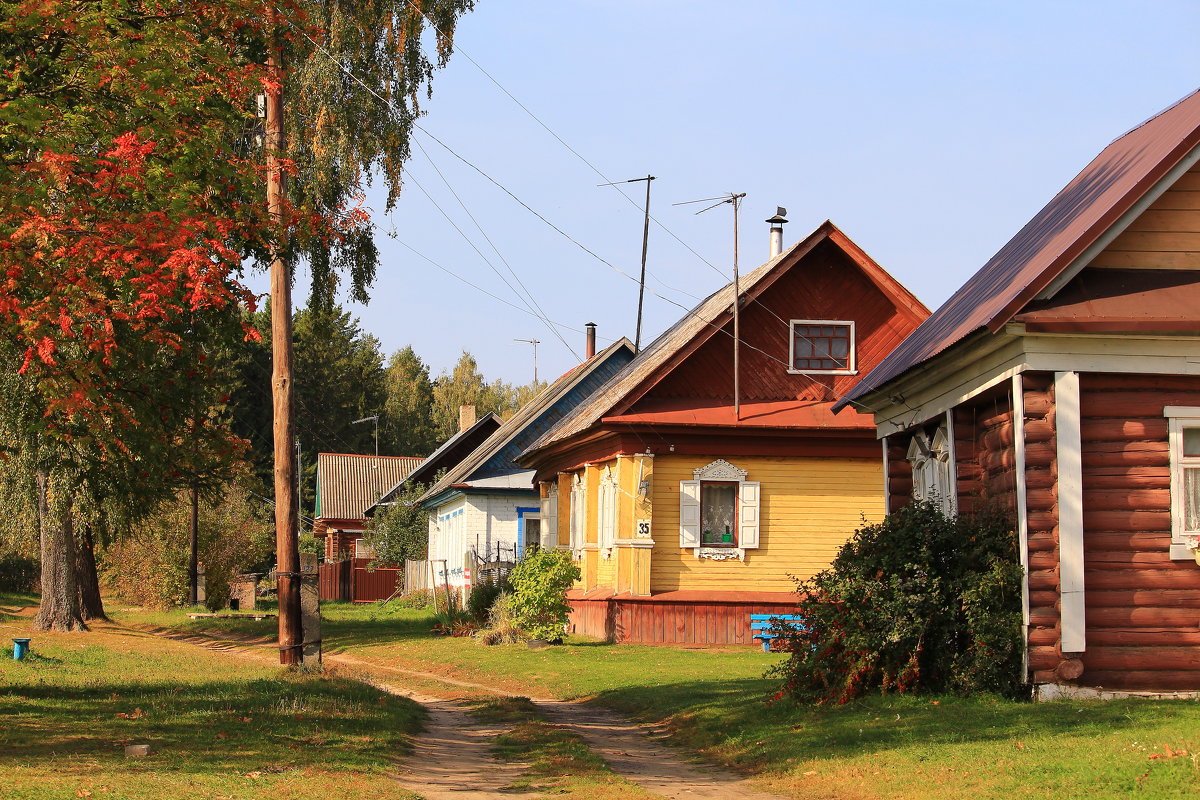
x,y
928,131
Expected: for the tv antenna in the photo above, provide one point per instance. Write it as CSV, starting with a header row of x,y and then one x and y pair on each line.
x,y
734,200
373,418
637,339
535,343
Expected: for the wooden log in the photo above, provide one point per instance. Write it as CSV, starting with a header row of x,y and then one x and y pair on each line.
x,y
1144,637
1143,679
1124,561
1042,540
1044,657
1040,454
1047,560
1126,541
1105,429
1134,521
1043,597
1038,431
1134,405
1141,579
1044,676
1140,617
1037,404
1144,598
1044,580
1128,499
1129,457
1043,616
1039,478
1108,381
1158,477
1069,669
1044,637
998,438
1144,658
990,419
1040,520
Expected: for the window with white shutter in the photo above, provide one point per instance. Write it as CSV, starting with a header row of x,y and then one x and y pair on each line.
x,y
578,514
550,517
719,512
607,510
1184,441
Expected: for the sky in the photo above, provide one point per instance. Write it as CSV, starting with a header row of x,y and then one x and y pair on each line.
x,y
929,132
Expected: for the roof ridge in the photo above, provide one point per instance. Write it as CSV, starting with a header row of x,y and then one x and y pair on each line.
x,y
1153,117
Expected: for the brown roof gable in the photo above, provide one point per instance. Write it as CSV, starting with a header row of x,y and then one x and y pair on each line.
x,y
1050,242
704,321
349,484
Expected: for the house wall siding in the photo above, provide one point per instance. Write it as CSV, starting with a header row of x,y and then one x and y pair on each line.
x,y
1142,607
1164,236
810,507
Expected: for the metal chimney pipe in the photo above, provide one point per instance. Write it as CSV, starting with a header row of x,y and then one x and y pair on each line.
x,y
777,223
591,341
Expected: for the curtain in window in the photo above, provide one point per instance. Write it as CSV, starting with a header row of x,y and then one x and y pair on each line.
x,y
718,507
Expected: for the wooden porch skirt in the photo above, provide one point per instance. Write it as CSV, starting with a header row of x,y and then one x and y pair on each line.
x,y
683,617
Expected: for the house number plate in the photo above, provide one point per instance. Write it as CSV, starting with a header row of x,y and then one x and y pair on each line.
x,y
643,528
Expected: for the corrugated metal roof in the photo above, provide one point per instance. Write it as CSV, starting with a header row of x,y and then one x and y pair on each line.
x,y
701,321
492,453
349,484
1050,242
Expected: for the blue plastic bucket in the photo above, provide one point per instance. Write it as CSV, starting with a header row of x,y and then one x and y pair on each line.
x,y
20,648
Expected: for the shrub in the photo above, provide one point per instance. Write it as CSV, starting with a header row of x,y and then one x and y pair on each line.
x,y
18,573
416,599
502,625
539,583
919,602
149,564
483,596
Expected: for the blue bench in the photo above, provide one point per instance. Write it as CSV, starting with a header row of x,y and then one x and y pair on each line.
x,y
764,623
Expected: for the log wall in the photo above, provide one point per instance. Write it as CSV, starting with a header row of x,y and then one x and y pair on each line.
x,y
1143,609
984,451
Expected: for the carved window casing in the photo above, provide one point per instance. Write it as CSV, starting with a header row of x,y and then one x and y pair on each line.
x,y
719,512
1183,426
933,469
578,514
550,516
607,516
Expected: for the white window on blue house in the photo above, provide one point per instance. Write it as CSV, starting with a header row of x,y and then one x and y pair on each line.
x,y
719,515
1183,432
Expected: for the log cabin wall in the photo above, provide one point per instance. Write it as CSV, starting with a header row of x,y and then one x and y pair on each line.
x,y
900,475
1041,503
1142,607
984,459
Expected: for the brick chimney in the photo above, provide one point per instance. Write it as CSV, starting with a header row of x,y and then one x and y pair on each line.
x,y
466,417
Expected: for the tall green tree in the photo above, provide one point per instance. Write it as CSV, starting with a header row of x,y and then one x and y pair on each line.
x,y
407,423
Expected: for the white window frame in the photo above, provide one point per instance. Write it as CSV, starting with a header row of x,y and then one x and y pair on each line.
x,y
361,547
578,513
1183,541
933,469
607,511
749,505
851,361
550,516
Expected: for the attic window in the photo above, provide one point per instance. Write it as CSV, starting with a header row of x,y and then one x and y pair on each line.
x,y
822,346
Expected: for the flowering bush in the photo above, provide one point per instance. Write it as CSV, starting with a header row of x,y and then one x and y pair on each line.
x,y
919,602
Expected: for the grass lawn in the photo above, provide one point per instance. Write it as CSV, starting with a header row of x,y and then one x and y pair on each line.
x,y
912,747
220,727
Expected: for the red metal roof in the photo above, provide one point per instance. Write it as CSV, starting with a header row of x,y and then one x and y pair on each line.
x,y
1071,222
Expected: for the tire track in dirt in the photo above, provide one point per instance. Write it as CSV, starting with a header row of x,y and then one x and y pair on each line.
x,y
453,759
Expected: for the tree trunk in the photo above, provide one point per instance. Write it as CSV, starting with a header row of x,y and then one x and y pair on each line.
x,y
91,606
59,610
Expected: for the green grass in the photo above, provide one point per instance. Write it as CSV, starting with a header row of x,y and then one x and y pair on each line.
x,y
715,703
219,726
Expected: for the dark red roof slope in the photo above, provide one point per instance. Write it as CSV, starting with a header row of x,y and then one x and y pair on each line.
x,y
1077,216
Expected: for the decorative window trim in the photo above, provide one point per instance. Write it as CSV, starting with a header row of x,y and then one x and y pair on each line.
x,y
851,359
607,509
933,468
578,520
1184,542
550,517
747,510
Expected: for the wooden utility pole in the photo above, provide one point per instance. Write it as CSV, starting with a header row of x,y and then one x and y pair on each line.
x,y
287,518
194,558
637,337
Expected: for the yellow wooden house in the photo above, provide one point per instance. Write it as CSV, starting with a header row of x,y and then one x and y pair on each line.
x,y
692,497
